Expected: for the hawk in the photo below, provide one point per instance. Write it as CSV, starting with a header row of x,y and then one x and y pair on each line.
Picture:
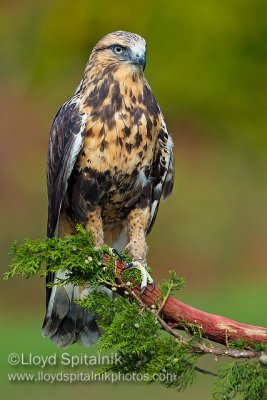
x,y
110,160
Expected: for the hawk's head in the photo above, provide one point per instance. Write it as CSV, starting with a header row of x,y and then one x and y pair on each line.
x,y
120,48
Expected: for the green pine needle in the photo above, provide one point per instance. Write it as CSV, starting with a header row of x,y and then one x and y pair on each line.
x,y
127,328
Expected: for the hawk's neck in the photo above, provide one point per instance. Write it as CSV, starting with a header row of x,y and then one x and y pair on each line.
x,y
111,73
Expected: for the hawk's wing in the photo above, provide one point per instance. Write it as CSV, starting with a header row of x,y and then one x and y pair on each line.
x,y
65,142
163,171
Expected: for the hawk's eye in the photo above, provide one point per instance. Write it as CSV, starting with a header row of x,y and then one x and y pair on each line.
x,y
118,49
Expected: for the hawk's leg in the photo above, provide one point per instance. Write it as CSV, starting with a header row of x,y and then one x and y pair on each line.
x,y
138,220
65,225
95,225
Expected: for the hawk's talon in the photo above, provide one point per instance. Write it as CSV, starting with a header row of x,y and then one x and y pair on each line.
x,y
143,289
146,278
128,266
114,252
117,253
153,285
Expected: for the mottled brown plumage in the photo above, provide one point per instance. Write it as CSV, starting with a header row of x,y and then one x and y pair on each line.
x,y
109,162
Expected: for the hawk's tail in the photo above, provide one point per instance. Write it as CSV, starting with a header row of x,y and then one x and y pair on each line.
x,y
66,322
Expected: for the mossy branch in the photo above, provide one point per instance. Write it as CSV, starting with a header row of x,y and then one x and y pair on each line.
x,y
134,324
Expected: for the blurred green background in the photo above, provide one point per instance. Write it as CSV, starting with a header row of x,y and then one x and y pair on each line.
x,y
207,63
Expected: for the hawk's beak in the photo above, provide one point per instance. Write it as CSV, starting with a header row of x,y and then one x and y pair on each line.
x,y
139,59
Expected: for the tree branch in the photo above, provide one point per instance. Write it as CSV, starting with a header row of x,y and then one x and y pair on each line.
x,y
128,326
216,328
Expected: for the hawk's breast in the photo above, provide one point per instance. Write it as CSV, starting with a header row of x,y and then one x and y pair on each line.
x,y
115,162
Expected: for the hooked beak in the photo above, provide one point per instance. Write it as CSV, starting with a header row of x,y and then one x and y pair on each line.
x,y
139,59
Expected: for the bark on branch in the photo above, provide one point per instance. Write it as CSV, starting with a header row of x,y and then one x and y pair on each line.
x,y
216,328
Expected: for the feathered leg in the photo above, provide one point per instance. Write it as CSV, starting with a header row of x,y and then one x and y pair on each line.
x,y
95,225
138,220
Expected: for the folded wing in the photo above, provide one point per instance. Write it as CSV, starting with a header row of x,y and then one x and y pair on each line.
x,y
162,171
